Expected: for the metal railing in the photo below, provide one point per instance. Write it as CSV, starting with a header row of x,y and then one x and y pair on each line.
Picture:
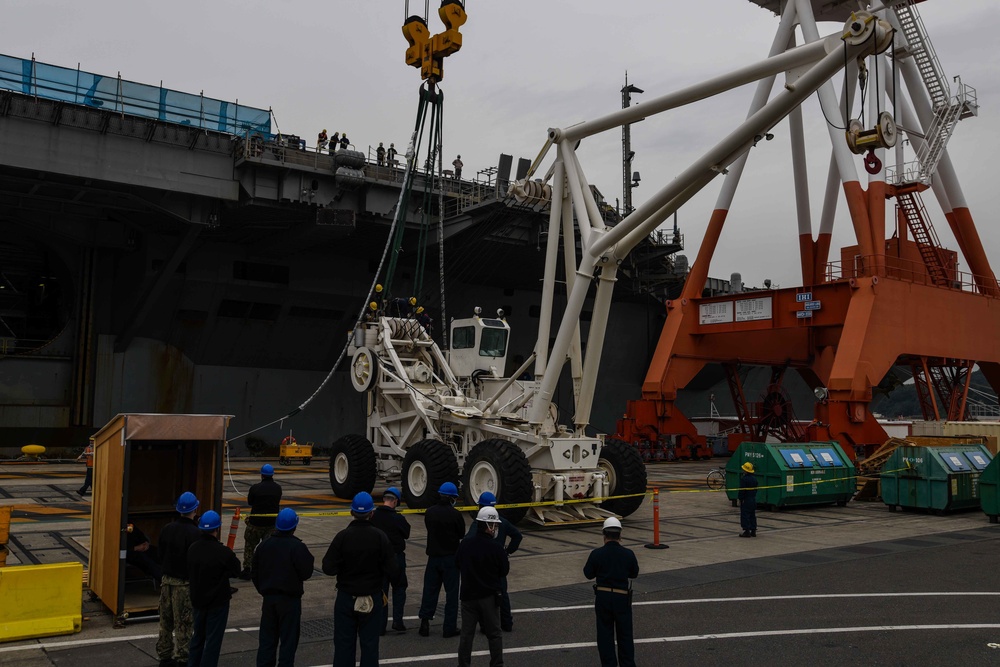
x,y
115,94
866,266
290,151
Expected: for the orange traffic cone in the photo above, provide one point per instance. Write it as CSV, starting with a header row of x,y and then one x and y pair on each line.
x,y
233,529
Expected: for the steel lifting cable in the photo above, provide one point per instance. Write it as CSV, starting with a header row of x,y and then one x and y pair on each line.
x,y
440,150
400,213
432,141
413,151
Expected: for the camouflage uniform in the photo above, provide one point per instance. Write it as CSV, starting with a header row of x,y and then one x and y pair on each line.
x,y
252,536
176,618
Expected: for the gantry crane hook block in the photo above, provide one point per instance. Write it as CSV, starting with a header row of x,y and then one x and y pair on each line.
x,y
883,135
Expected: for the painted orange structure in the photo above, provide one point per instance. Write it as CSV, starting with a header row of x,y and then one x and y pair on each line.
x,y
887,302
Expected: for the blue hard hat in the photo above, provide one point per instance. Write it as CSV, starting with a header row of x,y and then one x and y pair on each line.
x,y
448,489
287,519
487,499
187,503
394,492
210,520
363,503
267,470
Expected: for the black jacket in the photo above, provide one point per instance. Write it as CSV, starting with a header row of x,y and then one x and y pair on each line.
x,y
210,565
748,489
175,540
483,563
445,529
264,498
394,525
360,556
507,529
280,565
612,565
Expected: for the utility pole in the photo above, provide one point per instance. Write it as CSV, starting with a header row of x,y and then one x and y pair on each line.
x,y
630,179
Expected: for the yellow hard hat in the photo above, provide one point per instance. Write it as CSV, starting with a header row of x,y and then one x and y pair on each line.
x,y
324,129
747,466
378,288
373,305
420,309
413,300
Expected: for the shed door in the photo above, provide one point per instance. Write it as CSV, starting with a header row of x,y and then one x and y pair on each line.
x,y
105,571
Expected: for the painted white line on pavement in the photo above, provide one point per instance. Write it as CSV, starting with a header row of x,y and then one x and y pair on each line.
x,y
535,610
688,638
762,598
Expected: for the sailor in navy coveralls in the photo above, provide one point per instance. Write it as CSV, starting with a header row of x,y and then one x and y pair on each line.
x,y
613,566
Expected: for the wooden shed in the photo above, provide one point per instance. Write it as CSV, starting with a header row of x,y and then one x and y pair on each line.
x,y
142,464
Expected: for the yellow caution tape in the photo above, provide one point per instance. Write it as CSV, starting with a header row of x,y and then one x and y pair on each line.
x,y
573,501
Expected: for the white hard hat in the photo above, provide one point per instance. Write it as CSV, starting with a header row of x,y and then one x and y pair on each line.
x,y
611,523
488,515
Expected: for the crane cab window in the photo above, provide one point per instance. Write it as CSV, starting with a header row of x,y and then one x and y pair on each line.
x,y
494,343
463,338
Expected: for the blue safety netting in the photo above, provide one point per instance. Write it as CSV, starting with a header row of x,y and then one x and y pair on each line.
x,y
116,94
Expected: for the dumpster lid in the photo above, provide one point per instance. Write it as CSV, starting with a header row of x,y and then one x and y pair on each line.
x,y
796,458
955,461
827,457
978,460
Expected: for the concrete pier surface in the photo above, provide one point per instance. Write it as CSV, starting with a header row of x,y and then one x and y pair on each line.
x,y
826,585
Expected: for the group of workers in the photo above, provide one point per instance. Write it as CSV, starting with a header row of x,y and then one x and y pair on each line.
x,y
383,156
337,141
368,558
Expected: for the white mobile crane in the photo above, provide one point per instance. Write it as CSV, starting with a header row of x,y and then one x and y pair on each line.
x,y
435,416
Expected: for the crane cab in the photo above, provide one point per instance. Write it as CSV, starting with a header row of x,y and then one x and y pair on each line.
x,y
478,344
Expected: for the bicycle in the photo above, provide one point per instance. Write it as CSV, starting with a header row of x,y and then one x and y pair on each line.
x,y
716,479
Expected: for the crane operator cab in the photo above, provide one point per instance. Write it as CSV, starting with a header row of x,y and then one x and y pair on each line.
x,y
479,345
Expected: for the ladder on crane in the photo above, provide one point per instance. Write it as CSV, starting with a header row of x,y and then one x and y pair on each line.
x,y
948,110
911,206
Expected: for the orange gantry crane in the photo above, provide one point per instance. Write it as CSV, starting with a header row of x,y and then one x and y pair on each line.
x,y
884,302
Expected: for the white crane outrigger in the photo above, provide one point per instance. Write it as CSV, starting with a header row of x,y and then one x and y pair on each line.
x,y
431,414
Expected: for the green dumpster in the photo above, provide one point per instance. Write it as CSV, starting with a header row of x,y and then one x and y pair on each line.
x,y
794,474
941,478
989,490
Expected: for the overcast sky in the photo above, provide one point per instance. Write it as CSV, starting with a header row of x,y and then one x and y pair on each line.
x,y
525,65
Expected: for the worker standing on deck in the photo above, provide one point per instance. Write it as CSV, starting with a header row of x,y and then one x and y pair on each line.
x,y
283,562
334,142
484,565
504,530
321,141
88,455
344,141
360,556
397,529
390,155
613,565
264,498
210,565
458,164
175,593
380,154
445,530
747,495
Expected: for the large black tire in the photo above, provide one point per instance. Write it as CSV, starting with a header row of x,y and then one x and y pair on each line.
x,y
626,475
499,466
427,465
352,466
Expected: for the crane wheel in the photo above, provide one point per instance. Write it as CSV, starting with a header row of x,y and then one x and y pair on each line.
x,y
352,466
427,465
500,467
626,475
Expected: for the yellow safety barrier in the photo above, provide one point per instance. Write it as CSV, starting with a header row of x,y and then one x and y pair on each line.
x,y
40,600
